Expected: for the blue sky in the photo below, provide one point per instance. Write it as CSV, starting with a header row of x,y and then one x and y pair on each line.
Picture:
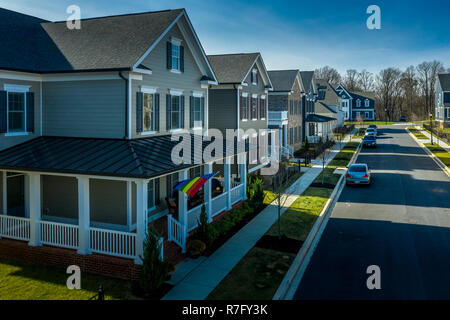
x,y
294,34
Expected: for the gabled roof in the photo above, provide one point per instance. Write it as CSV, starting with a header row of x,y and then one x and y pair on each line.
x,y
283,80
106,43
345,94
326,93
325,106
362,96
234,68
444,80
139,158
306,78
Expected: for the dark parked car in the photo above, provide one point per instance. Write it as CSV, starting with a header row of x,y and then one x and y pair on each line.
x,y
373,126
402,119
369,141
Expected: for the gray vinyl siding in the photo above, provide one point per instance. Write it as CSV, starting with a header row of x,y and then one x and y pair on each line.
x,y
278,102
164,80
5,141
59,196
94,109
223,109
295,120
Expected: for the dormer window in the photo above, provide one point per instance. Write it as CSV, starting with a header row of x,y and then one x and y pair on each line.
x,y
254,77
175,56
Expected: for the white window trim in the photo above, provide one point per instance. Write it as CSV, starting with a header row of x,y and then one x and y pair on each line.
x,y
149,90
245,94
175,71
197,94
16,88
176,42
254,72
176,92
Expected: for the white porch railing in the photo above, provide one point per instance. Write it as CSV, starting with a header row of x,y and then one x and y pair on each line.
x,y
59,234
113,243
176,232
193,216
218,204
236,194
15,227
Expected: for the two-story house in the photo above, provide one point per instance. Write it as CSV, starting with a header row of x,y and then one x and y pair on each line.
x,y
442,100
285,108
239,100
87,120
356,105
329,103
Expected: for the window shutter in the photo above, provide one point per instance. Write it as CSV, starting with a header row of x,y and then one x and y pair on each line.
x,y
30,111
202,110
241,104
181,58
156,112
3,112
249,115
168,112
139,111
258,106
251,76
257,77
182,112
191,111
169,55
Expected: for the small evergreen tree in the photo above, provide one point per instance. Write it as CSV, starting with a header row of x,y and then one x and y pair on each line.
x,y
204,232
154,270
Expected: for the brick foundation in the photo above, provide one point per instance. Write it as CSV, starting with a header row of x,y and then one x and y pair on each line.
x,y
93,263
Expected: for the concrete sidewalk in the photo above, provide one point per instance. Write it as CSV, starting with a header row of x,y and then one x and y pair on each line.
x,y
439,142
196,279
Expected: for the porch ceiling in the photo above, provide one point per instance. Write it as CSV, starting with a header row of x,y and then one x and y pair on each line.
x,y
139,158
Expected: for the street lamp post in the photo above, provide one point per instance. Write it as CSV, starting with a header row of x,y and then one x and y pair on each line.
x,y
431,127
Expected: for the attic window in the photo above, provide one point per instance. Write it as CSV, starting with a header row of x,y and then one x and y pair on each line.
x,y
255,76
175,56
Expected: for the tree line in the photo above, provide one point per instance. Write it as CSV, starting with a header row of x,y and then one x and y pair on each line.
x,y
409,92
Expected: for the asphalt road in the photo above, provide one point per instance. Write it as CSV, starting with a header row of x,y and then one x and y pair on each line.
x,y
400,223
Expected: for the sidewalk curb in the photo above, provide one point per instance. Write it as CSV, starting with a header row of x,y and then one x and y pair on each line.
x,y
301,261
433,156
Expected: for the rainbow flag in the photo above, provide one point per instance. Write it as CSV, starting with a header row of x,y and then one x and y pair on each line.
x,y
191,186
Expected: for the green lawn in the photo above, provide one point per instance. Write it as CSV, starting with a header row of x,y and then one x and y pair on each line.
x,y
439,152
367,123
21,281
417,133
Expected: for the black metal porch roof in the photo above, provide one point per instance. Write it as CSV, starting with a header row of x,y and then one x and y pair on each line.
x,y
139,158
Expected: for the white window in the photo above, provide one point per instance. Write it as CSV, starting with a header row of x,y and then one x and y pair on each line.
x,y
254,76
358,103
175,116
175,56
366,103
197,112
16,112
148,109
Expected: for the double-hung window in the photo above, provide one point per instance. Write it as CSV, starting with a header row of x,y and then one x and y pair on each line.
x,y
244,107
366,103
197,111
358,103
175,56
148,110
175,115
16,112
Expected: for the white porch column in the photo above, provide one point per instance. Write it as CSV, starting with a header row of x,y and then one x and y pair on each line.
x,y
182,209
207,189
35,208
243,173
129,205
227,182
83,215
141,218
272,144
285,135
5,193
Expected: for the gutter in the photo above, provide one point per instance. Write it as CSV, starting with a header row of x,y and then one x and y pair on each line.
x,y
126,104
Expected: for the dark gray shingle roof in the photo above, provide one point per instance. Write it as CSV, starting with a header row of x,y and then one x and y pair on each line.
x,y
306,78
139,158
327,94
444,80
283,80
115,42
232,68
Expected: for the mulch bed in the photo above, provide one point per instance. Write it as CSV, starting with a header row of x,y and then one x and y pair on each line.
x,y
284,244
324,185
156,295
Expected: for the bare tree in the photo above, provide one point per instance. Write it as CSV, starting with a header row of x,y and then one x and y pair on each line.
x,y
365,80
389,91
330,74
351,80
408,84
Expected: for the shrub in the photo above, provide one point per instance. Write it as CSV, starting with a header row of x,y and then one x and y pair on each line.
x,y
203,231
195,248
154,271
257,194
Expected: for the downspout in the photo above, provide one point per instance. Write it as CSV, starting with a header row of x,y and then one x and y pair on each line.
x,y
126,104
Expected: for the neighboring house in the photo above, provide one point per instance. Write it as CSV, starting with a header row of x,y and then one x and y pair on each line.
x,y
239,100
329,103
357,105
442,100
285,108
316,127
87,117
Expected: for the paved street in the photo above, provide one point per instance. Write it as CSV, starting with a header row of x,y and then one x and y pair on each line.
x,y
400,223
